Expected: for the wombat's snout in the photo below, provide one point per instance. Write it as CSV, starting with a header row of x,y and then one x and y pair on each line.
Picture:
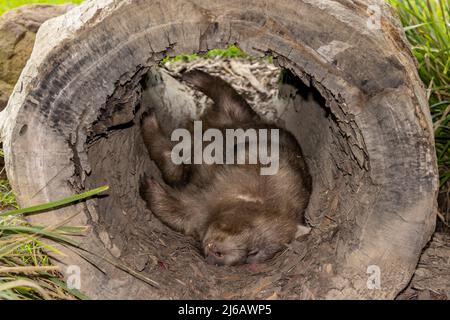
x,y
213,254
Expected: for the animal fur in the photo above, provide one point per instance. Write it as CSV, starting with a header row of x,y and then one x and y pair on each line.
x,y
239,215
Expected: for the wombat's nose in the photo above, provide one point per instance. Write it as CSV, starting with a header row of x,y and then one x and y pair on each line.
x,y
212,254
210,259
210,248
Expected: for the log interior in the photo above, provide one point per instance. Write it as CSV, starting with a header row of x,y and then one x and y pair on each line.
x,y
117,157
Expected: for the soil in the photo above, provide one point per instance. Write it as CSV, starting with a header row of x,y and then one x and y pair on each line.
x,y
432,277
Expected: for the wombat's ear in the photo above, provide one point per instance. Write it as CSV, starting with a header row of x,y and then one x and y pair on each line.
x,y
302,230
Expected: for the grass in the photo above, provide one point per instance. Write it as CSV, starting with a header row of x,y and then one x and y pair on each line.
x,y
54,204
26,271
6,5
7,198
231,52
427,27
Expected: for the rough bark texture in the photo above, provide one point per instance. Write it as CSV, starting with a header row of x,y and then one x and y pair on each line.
x,y
368,138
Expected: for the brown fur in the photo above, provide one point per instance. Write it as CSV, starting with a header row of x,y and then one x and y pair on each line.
x,y
239,215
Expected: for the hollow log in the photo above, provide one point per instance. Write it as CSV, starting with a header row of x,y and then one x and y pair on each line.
x,y
72,123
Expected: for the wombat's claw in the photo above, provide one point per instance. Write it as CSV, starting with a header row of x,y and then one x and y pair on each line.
x,y
145,183
147,114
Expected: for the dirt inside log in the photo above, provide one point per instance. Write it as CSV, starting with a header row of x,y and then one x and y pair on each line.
x,y
118,158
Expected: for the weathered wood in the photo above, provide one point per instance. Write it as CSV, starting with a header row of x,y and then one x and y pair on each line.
x,y
369,138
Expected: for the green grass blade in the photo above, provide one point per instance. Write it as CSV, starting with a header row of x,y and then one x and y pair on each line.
x,y
408,28
56,204
76,293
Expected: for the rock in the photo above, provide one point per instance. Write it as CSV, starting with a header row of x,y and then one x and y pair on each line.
x,y
18,30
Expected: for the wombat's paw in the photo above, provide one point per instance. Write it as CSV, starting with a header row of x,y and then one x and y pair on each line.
x,y
149,187
149,120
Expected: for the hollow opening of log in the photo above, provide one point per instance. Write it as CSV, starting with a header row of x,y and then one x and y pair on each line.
x,y
118,158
